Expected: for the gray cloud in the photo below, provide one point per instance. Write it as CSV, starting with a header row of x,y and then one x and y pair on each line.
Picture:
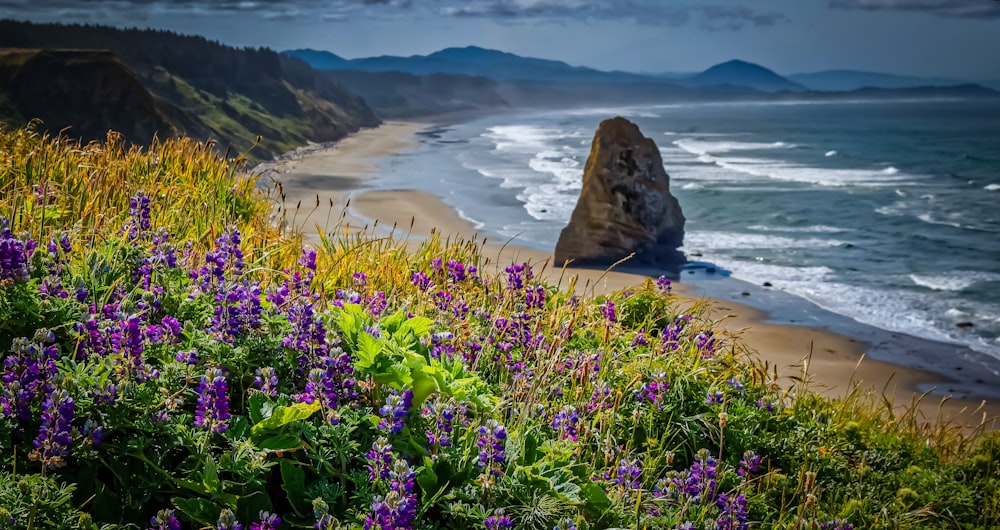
x,y
982,9
112,10
710,17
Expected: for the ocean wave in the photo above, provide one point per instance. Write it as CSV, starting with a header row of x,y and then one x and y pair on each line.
x,y
527,138
701,240
701,147
955,281
818,229
830,153
992,187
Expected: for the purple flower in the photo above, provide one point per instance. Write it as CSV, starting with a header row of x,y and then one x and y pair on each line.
x,y
492,446
835,525
565,422
608,310
268,521
379,459
308,259
27,372
629,473
227,521
55,435
421,281
734,513
331,385
498,521
138,223
397,509
266,380
749,464
394,412
458,271
13,255
164,520
212,412
443,418
653,390
321,512
714,398
663,284
376,304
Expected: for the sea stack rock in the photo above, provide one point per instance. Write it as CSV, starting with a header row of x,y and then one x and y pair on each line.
x,y
625,205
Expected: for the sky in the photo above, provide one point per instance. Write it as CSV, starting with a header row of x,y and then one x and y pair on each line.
x,y
948,38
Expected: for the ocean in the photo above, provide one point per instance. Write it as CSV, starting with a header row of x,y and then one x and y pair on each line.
x,y
883,212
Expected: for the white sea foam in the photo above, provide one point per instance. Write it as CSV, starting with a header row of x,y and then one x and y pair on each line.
x,y
929,218
818,229
890,171
714,153
830,153
954,281
992,187
692,186
702,147
701,240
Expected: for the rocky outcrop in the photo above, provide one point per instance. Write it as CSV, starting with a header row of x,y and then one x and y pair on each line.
x,y
625,205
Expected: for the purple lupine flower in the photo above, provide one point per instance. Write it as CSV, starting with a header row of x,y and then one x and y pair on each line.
x,y
164,520
266,380
55,434
321,512
398,508
608,310
835,525
227,521
498,521
421,281
714,398
394,412
138,222
27,374
331,386
376,304
640,338
458,271
629,473
735,383
360,280
534,298
443,418
749,464
697,482
93,431
237,310
653,391
600,399
13,255
492,446
268,521
308,259
565,422
106,394
734,512
706,343
663,284
379,459
212,412
670,339
188,357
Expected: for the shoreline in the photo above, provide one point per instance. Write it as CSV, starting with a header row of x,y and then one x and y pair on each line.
x,y
330,187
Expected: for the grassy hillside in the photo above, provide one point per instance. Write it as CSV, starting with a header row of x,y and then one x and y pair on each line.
x,y
402,95
207,90
86,93
169,353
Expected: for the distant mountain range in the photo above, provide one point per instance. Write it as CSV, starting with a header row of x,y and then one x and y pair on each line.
x,y
514,69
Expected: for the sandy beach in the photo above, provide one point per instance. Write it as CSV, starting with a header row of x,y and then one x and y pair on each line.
x,y
325,190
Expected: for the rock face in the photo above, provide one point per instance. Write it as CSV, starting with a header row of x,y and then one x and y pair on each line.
x,y
625,205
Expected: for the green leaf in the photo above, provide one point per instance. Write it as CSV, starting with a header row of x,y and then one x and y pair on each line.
x,y
198,510
427,479
210,476
594,496
293,480
238,429
259,406
283,416
281,442
249,506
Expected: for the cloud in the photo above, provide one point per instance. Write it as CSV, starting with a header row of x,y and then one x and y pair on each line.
x,y
125,10
711,17
974,9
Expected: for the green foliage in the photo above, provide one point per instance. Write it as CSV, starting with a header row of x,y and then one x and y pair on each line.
x,y
242,378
